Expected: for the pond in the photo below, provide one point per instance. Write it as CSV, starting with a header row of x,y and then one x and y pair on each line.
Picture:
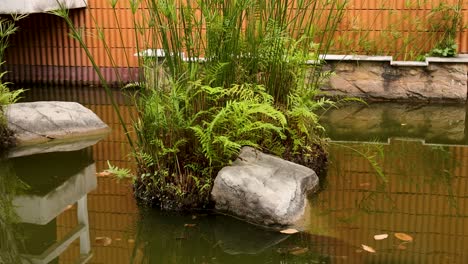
x,y
420,189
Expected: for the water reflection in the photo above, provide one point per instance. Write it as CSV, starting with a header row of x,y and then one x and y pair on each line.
x,y
209,238
433,123
55,181
9,187
423,193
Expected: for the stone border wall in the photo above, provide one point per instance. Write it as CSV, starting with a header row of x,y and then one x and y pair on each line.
x,y
381,78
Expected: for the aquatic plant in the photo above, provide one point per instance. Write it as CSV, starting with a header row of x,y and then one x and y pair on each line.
x,y
7,139
231,73
10,186
7,28
449,19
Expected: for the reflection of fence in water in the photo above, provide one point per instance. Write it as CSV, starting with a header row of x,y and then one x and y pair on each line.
x,y
54,181
426,211
111,207
425,196
114,147
112,213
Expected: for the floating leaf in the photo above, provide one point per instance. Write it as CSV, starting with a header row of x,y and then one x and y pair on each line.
x,y
131,241
404,237
289,231
298,251
190,225
380,237
368,249
401,246
103,241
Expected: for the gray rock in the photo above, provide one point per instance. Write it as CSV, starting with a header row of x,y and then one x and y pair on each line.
x,y
48,122
263,189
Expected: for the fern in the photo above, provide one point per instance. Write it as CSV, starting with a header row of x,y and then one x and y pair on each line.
x,y
253,87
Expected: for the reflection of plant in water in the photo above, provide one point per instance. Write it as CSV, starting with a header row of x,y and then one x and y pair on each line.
x,y
406,162
373,155
10,185
430,165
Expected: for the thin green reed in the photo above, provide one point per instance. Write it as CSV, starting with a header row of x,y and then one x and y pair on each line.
x,y
77,34
113,4
232,74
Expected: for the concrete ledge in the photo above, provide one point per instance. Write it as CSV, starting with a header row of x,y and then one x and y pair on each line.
x,y
38,6
382,78
462,58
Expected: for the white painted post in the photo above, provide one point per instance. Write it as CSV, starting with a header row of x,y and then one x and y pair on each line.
x,y
82,210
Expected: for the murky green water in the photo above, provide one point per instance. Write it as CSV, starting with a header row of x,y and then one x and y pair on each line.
x,y
70,214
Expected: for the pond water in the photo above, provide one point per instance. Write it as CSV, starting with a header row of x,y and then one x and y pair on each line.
x,y
421,191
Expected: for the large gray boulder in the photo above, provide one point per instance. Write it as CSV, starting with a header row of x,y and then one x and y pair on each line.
x,y
263,189
53,126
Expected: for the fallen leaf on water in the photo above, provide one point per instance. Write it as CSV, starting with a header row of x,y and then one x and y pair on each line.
x,y
103,174
368,249
298,251
380,237
131,241
401,246
190,225
103,241
118,239
404,237
289,231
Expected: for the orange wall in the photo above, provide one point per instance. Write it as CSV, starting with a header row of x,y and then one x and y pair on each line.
x,y
42,44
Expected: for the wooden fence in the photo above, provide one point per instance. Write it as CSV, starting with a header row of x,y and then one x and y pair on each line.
x,y
42,51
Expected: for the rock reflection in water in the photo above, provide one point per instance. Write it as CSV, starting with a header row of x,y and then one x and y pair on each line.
x,y
53,182
436,124
208,238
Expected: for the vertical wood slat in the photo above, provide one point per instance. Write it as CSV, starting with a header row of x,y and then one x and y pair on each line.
x,y
42,51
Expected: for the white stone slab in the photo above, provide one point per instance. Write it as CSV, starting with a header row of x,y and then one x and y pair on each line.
x,y
41,122
37,6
